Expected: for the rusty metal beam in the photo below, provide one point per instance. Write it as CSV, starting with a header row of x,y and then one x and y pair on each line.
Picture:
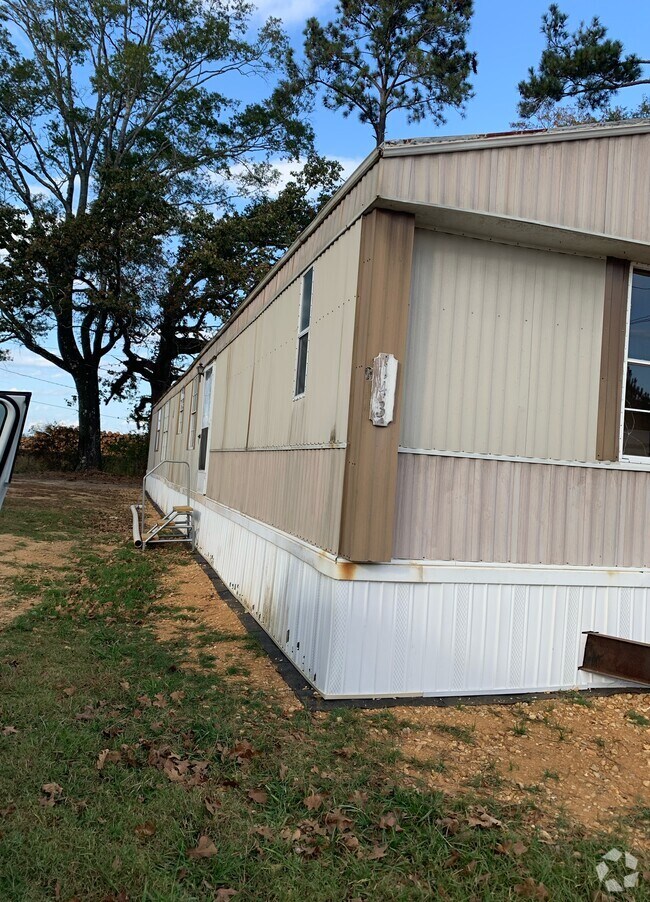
x,y
612,656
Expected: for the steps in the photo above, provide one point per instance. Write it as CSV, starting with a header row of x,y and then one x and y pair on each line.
x,y
176,526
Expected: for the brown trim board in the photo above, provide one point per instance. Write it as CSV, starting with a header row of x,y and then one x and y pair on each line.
x,y
612,358
381,322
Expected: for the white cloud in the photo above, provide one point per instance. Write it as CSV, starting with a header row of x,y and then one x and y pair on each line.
x,y
290,10
23,357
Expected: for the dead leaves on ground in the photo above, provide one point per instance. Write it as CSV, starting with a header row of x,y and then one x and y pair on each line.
x,y
205,848
53,794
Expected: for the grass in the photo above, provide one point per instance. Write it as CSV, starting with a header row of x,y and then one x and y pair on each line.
x,y
639,719
82,673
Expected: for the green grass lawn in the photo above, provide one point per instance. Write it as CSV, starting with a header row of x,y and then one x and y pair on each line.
x,y
124,776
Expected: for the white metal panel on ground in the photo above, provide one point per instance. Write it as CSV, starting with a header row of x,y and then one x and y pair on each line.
x,y
519,631
503,349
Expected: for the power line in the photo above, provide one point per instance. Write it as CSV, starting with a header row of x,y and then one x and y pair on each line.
x,y
59,385
8,369
61,407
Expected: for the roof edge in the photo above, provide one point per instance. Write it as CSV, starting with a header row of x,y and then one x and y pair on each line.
x,y
458,143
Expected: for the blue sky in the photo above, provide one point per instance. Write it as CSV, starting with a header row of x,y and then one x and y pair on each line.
x,y
506,37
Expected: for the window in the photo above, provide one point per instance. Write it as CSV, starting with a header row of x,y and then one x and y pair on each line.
x,y
165,429
181,411
303,332
636,417
205,420
194,406
158,423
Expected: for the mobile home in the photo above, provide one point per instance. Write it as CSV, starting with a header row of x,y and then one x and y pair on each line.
x,y
420,451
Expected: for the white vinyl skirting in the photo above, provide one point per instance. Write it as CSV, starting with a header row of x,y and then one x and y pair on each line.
x,y
413,629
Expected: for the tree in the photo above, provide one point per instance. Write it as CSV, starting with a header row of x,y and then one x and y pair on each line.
x,y
215,264
377,58
586,66
111,117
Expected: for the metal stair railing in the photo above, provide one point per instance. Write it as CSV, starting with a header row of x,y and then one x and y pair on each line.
x,y
169,520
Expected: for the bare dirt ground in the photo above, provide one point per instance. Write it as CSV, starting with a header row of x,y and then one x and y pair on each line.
x,y
583,758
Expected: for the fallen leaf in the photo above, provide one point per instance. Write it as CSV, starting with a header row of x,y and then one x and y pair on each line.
x,y
376,852
479,817
450,825
519,848
9,731
117,863
160,700
243,750
57,889
211,805
359,798
177,696
452,860
223,894
107,756
145,830
530,889
204,849
70,691
313,801
53,794
264,831
389,821
338,821
284,770
258,796
124,684
350,842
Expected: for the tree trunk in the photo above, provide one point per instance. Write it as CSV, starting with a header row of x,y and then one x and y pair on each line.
x,y
90,436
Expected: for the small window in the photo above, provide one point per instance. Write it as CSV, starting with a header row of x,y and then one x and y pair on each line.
x,y
303,332
636,417
194,406
158,425
165,429
181,411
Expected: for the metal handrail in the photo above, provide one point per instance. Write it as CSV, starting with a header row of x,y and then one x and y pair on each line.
x,y
144,486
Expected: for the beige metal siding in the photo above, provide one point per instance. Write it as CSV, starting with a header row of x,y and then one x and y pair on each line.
x,y
472,509
256,372
296,491
597,185
503,351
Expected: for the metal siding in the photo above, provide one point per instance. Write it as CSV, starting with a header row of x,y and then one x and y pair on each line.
x,y
298,491
287,484
261,377
474,510
597,185
503,352
461,634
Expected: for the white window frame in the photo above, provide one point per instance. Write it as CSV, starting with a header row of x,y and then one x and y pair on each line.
x,y
156,445
165,430
630,458
181,411
194,406
303,333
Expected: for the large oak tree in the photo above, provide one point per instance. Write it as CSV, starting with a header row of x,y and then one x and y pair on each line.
x,y
112,115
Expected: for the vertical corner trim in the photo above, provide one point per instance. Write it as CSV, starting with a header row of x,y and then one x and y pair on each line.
x,y
612,358
381,323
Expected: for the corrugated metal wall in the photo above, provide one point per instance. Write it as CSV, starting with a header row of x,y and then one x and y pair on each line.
x,y
503,351
297,489
472,509
598,185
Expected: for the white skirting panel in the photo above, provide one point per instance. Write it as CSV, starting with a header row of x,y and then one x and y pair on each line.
x,y
445,631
